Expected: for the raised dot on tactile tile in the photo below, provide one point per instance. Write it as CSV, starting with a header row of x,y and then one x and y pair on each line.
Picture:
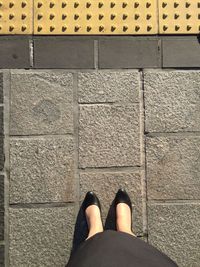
x,y
198,16
23,4
176,4
113,28
64,28
149,28
88,4
76,16
136,16
52,28
39,16
39,4
188,16
88,16
0,15
165,16
187,4
137,28
64,4
198,5
177,28
11,5
89,28
136,5
125,28
39,28
24,28
189,27
100,5
101,28
101,16
164,4
76,28
112,16
11,28
51,5
148,16
23,16
165,28
148,4
64,16
125,16
112,4
76,4
176,16
1,4
124,4
11,16
0,28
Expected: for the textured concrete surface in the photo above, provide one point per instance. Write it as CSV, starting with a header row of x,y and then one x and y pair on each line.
x,y
173,167
41,236
42,170
109,136
174,229
100,182
68,132
172,101
112,87
41,103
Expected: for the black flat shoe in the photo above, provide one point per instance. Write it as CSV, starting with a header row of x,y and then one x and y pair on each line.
x,y
123,197
91,199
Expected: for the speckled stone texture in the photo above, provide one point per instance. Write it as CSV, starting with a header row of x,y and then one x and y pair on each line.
x,y
106,86
42,170
174,229
109,135
41,103
172,101
40,237
173,167
106,185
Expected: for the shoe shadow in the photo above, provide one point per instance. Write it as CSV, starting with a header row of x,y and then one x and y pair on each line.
x,y
110,222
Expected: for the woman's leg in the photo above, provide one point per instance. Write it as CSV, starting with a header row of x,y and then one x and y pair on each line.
x,y
94,222
123,218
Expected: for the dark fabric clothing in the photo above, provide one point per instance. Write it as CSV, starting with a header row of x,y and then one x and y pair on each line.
x,y
117,249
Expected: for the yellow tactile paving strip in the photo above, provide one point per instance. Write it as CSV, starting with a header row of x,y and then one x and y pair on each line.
x,y
99,17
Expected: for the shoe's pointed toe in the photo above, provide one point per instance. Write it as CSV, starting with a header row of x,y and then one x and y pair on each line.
x,y
123,197
91,199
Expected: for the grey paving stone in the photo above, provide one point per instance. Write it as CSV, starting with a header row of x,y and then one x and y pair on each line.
x,y
41,103
181,52
1,153
173,167
1,191
106,185
40,237
1,121
174,229
109,135
14,52
106,86
1,209
2,256
63,52
172,101
129,53
42,170
1,87
1,224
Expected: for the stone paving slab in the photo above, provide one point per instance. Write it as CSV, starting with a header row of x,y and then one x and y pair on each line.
x,y
1,87
174,229
106,184
40,236
1,207
172,101
41,103
42,170
2,256
109,135
106,86
173,167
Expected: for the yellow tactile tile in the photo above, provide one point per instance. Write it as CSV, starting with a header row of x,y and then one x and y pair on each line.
x,y
179,16
95,17
16,17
